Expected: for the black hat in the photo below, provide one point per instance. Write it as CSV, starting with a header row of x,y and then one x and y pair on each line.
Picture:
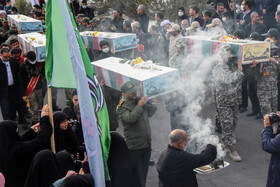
x,y
272,32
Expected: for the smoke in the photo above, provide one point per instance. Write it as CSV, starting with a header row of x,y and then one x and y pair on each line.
x,y
197,85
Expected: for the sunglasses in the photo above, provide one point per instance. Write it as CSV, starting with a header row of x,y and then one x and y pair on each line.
x,y
76,100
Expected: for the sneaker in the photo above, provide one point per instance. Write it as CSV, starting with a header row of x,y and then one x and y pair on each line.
x,y
233,154
259,116
252,114
242,110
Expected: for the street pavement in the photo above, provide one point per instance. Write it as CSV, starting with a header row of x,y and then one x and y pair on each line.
x,y
251,172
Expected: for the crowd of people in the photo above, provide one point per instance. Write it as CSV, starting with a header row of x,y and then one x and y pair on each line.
x,y
26,159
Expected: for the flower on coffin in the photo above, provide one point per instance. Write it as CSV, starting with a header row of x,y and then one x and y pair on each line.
x,y
138,60
95,33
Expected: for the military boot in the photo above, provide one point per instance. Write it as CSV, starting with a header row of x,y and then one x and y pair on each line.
x,y
233,153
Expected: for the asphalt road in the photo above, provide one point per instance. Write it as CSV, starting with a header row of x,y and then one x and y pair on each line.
x,y
251,172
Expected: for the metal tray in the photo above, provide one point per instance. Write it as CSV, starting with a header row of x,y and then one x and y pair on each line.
x,y
208,169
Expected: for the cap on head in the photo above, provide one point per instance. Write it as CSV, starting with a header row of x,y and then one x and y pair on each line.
x,y
272,32
85,19
80,16
128,87
174,27
255,36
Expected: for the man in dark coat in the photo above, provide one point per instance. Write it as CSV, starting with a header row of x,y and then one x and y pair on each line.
x,y
112,98
73,113
271,145
142,18
175,166
244,16
193,11
8,85
268,9
255,26
182,15
118,20
84,9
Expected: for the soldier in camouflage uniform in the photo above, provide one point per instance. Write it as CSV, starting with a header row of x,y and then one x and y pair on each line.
x,y
4,30
86,25
267,89
134,114
227,80
157,52
177,61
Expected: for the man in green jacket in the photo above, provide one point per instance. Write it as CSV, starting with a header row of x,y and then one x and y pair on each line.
x,y
134,113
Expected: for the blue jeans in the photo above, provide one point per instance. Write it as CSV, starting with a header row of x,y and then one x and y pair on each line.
x,y
4,102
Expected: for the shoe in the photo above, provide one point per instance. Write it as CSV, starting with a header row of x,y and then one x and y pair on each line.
x,y
252,114
259,116
233,154
151,163
218,129
242,110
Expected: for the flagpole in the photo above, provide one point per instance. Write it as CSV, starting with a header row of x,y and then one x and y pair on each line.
x,y
51,118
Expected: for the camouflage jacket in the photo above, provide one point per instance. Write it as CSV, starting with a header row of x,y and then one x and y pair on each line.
x,y
267,78
135,120
227,82
177,61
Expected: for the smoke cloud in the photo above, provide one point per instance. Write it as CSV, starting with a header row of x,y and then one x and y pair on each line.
x,y
197,85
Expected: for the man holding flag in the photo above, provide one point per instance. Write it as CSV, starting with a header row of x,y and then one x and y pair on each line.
x,y
66,53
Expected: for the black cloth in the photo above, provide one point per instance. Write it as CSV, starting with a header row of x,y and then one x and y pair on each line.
x,y
44,170
66,162
64,139
123,171
4,77
26,71
250,82
144,21
17,151
175,166
88,12
198,19
71,115
257,27
118,23
9,92
216,15
112,98
85,180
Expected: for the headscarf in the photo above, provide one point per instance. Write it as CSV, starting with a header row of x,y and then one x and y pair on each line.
x,y
64,139
8,142
85,180
44,170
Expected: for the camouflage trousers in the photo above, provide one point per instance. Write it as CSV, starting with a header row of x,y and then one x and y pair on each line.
x,y
36,103
268,102
228,117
